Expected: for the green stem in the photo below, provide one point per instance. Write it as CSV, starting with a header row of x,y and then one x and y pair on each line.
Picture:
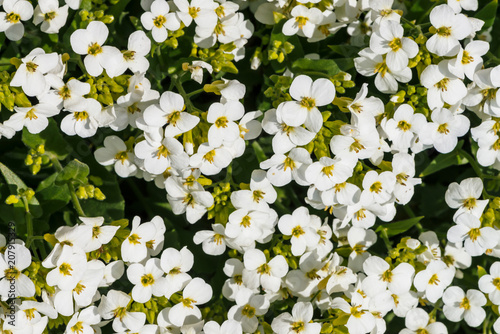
x,y
29,227
76,203
189,105
198,91
385,237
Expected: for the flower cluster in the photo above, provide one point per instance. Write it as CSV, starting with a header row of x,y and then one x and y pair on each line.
x,y
318,234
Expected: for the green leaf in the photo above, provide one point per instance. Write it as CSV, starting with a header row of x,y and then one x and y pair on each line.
x,y
74,171
15,184
51,138
443,161
400,226
316,67
259,152
488,14
52,196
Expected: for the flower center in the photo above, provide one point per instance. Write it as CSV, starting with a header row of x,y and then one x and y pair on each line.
x,y
297,231
404,125
324,29
245,221
289,163
78,327
128,55
248,311
395,44
313,274
376,187
401,178
381,68
496,282
80,115
49,16
193,11
159,21
434,279
94,49
301,21
443,128
31,66
474,233
355,312
258,195
174,117
209,156
218,238
134,239
496,145
31,114
13,17
264,269
187,302
466,58
465,304
120,312
422,331
444,31
30,313
328,170
65,93
308,103
133,109
12,273
470,203
298,326
96,230
387,276
220,11
147,280
356,146
221,122
65,269
162,152
360,214
443,84
121,156
79,288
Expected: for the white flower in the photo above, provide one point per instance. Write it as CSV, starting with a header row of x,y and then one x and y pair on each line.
x,y
442,85
297,322
35,118
266,273
304,20
444,130
114,304
81,322
89,42
193,200
476,239
403,127
327,172
212,242
101,235
134,248
30,74
147,279
69,268
66,95
434,279
116,153
285,137
223,116
458,306
50,15
201,11
465,197
469,60
298,226
283,168
389,40
308,96
360,320
370,63
197,292
450,29
227,327
360,240
366,105
458,5
134,58
176,264
248,307
83,119
211,160
159,20
380,276
73,4
10,20
260,194
418,321
15,259
197,66
379,187
490,284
